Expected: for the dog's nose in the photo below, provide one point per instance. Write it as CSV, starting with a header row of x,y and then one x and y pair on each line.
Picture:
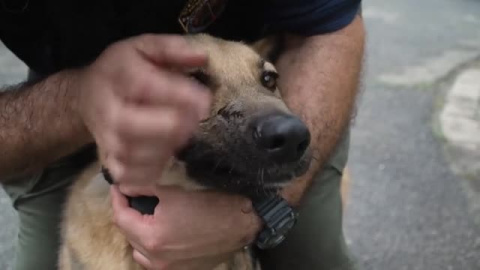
x,y
284,137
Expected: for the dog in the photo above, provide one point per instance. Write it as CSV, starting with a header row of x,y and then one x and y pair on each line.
x,y
251,143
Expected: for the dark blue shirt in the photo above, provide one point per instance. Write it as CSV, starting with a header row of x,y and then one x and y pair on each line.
x,y
311,17
50,35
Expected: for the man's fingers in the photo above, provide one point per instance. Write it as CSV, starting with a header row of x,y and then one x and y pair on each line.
x,y
134,174
162,87
169,50
142,169
142,155
140,110
214,208
162,127
126,218
139,181
142,259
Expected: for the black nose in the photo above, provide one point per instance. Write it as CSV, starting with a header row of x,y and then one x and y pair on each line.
x,y
284,137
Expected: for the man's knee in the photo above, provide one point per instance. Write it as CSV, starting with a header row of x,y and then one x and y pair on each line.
x,y
39,201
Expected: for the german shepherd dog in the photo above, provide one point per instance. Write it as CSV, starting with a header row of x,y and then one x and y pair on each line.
x,y
251,143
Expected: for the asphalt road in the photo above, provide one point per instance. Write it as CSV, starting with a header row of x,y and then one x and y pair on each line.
x,y
407,209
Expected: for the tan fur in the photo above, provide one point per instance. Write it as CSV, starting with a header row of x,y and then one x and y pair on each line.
x,y
90,240
238,70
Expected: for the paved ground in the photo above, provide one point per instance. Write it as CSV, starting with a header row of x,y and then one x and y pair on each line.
x,y
11,71
409,209
459,125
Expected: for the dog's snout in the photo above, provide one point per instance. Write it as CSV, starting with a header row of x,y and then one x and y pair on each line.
x,y
283,137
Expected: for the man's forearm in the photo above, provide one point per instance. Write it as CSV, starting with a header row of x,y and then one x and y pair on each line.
x,y
319,78
39,123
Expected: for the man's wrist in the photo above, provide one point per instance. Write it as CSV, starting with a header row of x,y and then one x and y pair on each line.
x,y
71,84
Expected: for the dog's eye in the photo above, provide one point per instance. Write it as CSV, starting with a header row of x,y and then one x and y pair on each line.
x,y
269,79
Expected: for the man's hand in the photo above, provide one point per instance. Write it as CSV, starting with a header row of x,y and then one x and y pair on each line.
x,y
140,107
189,230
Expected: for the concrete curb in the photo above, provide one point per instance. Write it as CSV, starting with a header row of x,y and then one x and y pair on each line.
x,y
460,118
460,126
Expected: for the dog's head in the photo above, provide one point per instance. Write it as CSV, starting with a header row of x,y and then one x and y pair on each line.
x,y
251,142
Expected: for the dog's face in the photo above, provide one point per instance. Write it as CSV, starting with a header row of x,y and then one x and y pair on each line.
x,y
250,142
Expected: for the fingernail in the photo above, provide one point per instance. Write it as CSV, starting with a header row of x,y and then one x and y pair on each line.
x,y
247,207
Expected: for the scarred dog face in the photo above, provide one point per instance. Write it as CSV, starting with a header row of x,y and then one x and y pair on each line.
x,y
251,142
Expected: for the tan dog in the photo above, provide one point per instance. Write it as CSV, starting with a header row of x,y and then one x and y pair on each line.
x,y
251,143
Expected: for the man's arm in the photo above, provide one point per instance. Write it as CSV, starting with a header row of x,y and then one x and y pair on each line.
x,y
319,80
38,124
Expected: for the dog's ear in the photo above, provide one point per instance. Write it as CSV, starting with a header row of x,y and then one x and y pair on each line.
x,y
269,48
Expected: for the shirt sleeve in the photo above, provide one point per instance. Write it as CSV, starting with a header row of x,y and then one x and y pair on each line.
x,y
310,17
